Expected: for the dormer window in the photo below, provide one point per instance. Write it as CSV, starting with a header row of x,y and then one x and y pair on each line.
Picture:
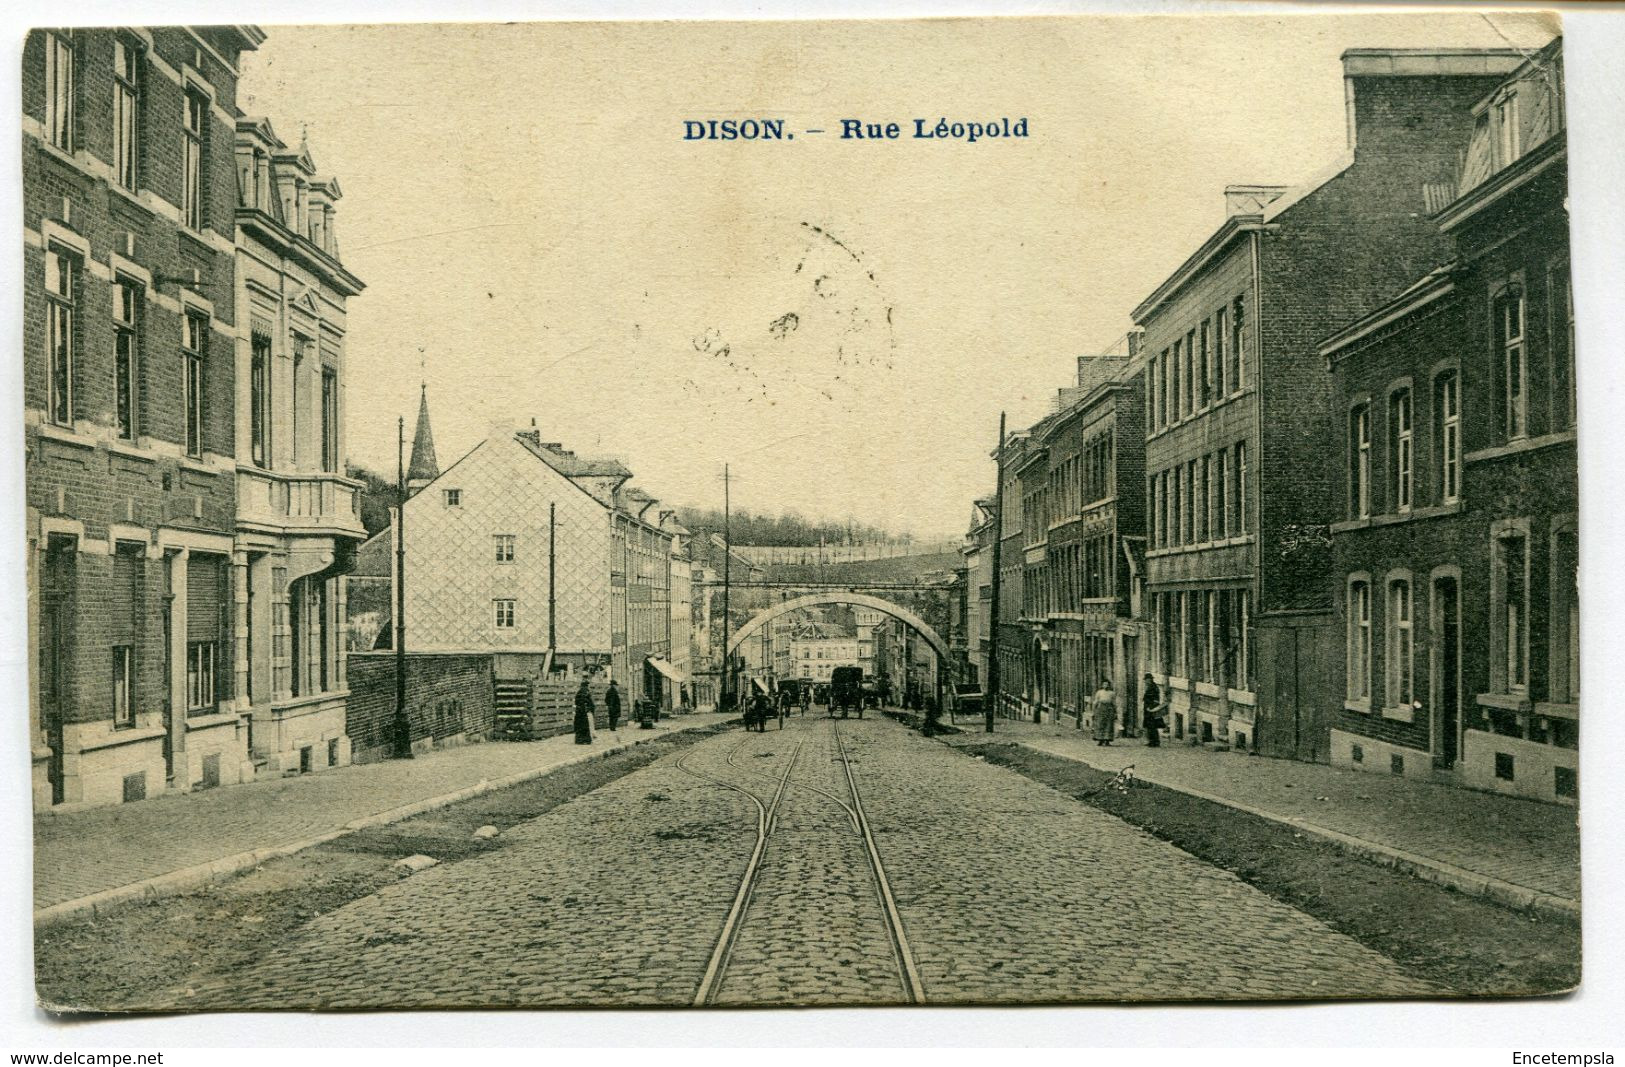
x,y
1509,141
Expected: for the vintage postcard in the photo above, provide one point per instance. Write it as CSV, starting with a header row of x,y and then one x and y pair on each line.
x,y
718,514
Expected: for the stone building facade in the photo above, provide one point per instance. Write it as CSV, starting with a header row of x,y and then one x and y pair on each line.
x,y
298,519
130,329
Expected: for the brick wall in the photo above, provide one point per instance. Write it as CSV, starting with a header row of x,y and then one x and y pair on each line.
x,y
448,696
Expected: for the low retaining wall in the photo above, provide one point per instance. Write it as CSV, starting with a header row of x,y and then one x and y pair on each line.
x,y
449,699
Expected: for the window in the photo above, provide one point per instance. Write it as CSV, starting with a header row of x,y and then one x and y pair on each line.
x,y
194,342
1359,640
1151,394
1237,365
194,112
200,666
1401,440
125,113
1205,366
1190,372
1513,586
1221,495
123,683
1241,487
61,289
1447,408
60,92
1241,605
1563,672
1509,309
1201,522
1400,645
1360,462
127,305
1509,137
330,419
504,614
1221,353
1164,390
1175,398
454,498
259,400
504,547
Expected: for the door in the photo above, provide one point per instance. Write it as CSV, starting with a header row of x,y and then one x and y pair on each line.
x,y
1447,672
56,655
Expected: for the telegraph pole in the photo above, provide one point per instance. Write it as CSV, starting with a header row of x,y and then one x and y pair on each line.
x,y
403,722
727,559
993,609
552,599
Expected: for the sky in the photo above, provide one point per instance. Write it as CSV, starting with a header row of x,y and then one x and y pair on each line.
x,y
840,322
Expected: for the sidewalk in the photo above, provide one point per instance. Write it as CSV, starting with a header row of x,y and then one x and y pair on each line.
x,y
1518,851
185,839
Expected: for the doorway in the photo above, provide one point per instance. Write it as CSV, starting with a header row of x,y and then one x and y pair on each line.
x,y
1447,669
56,656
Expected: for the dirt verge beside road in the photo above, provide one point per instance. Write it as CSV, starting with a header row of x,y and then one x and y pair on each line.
x,y
1468,944
107,963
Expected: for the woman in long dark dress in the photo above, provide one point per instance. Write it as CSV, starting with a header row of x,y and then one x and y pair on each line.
x,y
584,708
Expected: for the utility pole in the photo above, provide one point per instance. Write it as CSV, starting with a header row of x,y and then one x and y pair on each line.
x,y
727,560
552,589
403,722
993,609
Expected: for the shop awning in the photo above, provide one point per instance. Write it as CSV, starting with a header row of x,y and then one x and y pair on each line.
x,y
761,683
668,670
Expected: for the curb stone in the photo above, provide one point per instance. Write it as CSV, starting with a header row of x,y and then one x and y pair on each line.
x,y
172,883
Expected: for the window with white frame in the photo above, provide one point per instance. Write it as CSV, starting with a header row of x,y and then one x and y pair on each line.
x,y
1509,138
194,350
194,124
1221,494
1238,366
259,400
330,419
1359,639
504,547
1447,406
128,300
61,94
504,614
1402,450
126,113
1511,563
1360,462
1221,354
61,292
1400,647
1509,332
123,685
200,671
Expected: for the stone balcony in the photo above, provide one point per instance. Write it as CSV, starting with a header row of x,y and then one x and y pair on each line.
x,y
299,503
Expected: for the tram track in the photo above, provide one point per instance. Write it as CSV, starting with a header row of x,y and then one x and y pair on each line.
x,y
767,810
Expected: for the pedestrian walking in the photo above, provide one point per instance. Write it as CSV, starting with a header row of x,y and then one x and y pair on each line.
x,y
1104,707
1151,702
806,698
612,704
584,710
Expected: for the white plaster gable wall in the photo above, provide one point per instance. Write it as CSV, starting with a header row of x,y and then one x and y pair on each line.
x,y
453,575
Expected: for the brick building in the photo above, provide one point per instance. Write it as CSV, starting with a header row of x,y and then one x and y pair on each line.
x,y
1072,524
978,593
130,327
298,521
1238,403
1457,547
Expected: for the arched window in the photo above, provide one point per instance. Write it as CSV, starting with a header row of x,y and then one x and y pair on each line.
x,y
1359,638
1401,644
1447,434
1512,350
1401,451
1360,462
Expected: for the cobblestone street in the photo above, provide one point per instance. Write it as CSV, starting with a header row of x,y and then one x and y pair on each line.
x,y
1005,890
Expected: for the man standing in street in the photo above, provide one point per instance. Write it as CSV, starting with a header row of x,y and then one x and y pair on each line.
x,y
612,704
1151,702
584,709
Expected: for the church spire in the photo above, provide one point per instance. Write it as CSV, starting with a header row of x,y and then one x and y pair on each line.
x,y
423,468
